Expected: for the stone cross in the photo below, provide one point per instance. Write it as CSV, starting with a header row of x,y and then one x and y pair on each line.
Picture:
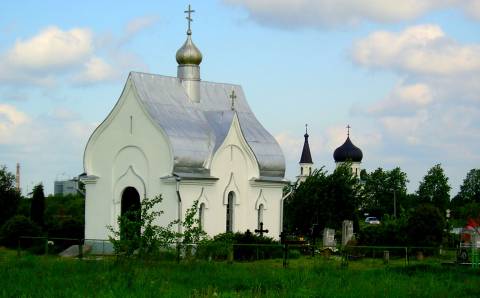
x,y
261,230
189,18
233,96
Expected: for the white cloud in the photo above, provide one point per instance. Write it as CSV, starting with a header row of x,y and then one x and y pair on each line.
x,y
45,145
51,48
403,99
422,49
431,115
328,13
140,23
76,55
10,120
96,70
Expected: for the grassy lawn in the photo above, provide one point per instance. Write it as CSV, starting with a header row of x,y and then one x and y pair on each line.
x,y
37,276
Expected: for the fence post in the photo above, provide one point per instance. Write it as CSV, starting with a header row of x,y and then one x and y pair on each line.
x,y
230,253
80,249
406,256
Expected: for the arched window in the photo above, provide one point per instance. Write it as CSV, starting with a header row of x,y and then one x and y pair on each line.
x,y
201,216
301,171
231,200
309,171
260,215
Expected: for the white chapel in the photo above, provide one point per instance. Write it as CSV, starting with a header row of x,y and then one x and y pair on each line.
x,y
185,139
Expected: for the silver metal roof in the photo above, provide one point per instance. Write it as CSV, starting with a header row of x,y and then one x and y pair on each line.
x,y
196,130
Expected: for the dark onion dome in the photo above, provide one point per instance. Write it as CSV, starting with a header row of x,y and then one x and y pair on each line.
x,y
306,156
189,53
348,152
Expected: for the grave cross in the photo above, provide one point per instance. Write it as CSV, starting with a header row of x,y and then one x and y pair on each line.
x,y
261,230
233,96
189,18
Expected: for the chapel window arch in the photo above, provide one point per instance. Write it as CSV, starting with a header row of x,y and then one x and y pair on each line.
x,y
230,211
201,215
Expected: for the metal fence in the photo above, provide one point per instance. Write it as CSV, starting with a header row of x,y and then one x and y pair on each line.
x,y
224,251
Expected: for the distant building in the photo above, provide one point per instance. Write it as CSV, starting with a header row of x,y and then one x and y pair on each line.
x,y
306,162
350,153
66,187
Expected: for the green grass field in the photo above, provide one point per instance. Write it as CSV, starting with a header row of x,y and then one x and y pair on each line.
x,y
37,276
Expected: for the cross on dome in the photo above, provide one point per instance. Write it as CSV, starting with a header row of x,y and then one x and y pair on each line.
x,y
189,18
348,130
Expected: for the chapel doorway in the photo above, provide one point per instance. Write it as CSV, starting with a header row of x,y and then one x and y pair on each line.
x,y
130,208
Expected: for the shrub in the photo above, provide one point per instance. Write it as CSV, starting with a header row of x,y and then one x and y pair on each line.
x,y
246,246
17,226
425,226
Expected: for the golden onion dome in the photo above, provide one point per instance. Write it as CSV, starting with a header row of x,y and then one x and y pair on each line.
x,y
189,53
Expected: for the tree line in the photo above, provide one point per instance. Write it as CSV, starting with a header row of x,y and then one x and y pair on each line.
x,y
326,199
36,215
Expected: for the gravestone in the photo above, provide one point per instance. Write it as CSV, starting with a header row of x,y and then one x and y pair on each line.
x,y
347,231
329,238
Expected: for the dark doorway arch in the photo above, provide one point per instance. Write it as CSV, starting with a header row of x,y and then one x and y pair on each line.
x,y
130,209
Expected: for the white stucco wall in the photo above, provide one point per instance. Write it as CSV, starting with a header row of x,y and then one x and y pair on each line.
x,y
128,149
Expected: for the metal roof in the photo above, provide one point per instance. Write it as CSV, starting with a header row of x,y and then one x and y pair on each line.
x,y
196,130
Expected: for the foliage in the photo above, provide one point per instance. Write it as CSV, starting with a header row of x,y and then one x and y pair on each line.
x,y
470,189
151,238
434,188
65,216
9,196
324,200
391,232
426,226
462,213
246,246
17,226
304,278
379,190
37,208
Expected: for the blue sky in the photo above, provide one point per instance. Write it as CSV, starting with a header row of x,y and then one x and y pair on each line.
x,y
404,74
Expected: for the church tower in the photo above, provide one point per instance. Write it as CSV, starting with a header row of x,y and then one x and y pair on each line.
x,y
348,152
306,162
189,58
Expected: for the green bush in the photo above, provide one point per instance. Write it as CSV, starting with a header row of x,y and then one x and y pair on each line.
x,y
17,226
246,246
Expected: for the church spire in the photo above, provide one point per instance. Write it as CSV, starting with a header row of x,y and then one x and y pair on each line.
x,y
306,159
306,156
189,58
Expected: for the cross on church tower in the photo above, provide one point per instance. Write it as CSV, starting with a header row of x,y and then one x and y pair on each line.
x,y
189,18
306,129
348,130
233,96
261,230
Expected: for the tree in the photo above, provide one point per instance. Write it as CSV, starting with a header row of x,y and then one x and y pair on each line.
x,y
9,196
37,208
425,226
17,226
434,189
384,191
324,200
470,189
